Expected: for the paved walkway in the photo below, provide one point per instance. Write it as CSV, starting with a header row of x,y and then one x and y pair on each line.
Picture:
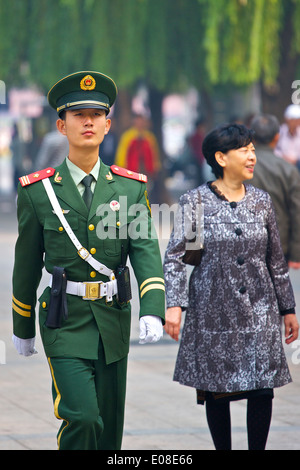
x,y
160,414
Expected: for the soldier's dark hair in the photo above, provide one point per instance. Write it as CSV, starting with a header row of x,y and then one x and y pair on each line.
x,y
224,138
63,115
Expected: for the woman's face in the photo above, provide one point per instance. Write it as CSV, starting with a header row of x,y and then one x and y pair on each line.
x,y
239,163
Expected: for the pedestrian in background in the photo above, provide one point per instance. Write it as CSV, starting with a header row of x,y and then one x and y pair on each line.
x,y
281,180
231,345
138,150
288,145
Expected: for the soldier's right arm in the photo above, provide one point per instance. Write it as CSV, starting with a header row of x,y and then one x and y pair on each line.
x,y
28,266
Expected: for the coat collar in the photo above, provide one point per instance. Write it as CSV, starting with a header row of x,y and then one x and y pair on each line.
x,y
67,191
213,204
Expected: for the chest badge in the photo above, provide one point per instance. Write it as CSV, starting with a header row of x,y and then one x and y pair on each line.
x,y
115,206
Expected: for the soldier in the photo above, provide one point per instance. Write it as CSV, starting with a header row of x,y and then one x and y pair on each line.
x,y
82,234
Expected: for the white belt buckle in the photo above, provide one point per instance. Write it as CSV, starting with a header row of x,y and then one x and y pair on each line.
x,y
92,290
83,253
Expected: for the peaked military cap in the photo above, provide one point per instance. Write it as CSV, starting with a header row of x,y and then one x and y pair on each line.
x,y
83,89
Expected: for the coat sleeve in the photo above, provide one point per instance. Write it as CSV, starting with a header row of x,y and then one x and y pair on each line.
x,y
277,265
186,224
145,258
294,216
28,266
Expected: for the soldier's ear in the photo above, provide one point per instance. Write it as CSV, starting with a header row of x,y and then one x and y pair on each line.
x,y
107,126
61,126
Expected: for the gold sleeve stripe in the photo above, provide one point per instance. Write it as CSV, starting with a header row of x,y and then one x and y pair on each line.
x,y
20,303
24,313
152,279
152,286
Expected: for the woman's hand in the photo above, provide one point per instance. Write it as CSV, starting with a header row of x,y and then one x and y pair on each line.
x,y
291,328
173,321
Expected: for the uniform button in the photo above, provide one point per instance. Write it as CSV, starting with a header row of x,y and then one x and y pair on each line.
x,y
238,231
118,224
91,227
242,290
240,260
93,273
44,305
61,229
93,251
233,204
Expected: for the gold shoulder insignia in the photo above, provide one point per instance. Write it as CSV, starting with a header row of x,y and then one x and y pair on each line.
x,y
117,170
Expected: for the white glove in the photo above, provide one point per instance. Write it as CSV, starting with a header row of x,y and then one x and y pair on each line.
x,y
24,346
151,329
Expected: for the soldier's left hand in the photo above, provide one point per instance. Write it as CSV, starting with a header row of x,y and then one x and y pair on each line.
x,y
151,329
25,347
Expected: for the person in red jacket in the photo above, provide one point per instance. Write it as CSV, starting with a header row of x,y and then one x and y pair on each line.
x,y
138,150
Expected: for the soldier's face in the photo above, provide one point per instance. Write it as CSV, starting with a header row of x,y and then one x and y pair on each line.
x,y
84,127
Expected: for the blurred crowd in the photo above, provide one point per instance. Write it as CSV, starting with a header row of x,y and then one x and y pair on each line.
x,y
277,170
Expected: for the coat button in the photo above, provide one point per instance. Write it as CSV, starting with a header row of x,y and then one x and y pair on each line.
x,y
238,231
93,251
233,204
240,260
93,274
61,229
242,290
44,305
91,227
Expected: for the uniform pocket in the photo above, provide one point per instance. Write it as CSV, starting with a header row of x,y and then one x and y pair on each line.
x,y
56,240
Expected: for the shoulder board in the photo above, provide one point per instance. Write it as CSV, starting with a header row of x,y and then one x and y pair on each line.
x,y
117,170
37,176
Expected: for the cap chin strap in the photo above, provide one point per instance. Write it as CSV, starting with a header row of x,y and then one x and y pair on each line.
x,y
88,102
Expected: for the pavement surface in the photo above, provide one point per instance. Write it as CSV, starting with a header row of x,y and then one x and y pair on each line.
x,y
161,415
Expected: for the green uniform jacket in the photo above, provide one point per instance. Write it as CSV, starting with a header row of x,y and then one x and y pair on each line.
x,y
43,242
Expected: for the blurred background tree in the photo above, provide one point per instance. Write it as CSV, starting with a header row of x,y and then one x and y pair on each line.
x,y
168,44
219,48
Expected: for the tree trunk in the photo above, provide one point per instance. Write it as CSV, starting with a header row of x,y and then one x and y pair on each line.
x,y
155,104
275,99
123,112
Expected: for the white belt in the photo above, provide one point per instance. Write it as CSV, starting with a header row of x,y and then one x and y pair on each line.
x,y
92,290
82,252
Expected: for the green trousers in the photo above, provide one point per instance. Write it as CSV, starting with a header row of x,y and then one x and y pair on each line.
x,y
89,396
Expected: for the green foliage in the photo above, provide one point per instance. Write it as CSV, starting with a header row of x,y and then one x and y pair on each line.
x,y
169,43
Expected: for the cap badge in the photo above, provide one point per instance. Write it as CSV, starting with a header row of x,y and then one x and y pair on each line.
x,y
114,205
88,83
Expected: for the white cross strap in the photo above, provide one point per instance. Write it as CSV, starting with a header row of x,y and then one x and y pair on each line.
x,y
82,252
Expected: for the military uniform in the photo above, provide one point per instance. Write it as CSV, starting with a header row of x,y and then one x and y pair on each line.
x,y
95,332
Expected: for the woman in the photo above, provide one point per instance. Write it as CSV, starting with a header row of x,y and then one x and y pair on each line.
x,y
231,344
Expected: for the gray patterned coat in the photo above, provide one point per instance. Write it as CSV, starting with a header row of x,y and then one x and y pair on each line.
x,y
231,339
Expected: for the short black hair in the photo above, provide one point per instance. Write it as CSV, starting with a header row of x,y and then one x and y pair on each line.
x,y
62,115
224,138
